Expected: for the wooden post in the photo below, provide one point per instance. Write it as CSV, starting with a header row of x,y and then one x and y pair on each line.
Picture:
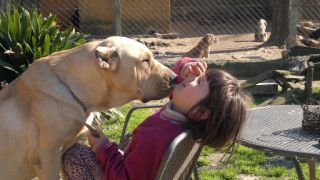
x,y
312,169
294,15
117,11
309,79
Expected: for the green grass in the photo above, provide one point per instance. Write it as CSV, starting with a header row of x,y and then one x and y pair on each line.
x,y
251,162
316,93
244,161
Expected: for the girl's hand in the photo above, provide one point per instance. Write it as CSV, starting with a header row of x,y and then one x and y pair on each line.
x,y
94,142
193,69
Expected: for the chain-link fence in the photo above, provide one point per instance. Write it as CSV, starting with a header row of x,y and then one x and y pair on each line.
x,y
309,17
233,21
186,17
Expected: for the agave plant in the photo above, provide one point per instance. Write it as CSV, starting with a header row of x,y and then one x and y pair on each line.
x,y
27,36
112,114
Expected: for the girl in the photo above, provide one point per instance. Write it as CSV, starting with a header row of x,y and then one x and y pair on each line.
x,y
209,103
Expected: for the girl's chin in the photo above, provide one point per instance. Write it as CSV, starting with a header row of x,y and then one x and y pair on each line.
x,y
178,107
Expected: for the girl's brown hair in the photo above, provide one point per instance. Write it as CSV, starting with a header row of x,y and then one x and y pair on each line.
x,y
227,106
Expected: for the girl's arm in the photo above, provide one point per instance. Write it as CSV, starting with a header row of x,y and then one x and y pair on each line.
x,y
140,161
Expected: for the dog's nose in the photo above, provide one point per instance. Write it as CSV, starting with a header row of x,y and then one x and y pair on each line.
x,y
173,78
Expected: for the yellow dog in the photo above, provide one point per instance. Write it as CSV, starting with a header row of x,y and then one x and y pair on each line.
x,y
43,111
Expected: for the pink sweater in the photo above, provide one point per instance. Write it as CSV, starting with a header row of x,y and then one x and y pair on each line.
x,y
143,155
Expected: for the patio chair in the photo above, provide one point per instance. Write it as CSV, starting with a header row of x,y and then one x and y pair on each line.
x,y
179,160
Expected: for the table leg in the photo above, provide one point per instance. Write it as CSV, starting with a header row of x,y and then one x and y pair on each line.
x,y
312,169
298,168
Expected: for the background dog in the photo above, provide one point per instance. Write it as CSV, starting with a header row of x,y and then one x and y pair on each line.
x,y
202,49
261,34
43,111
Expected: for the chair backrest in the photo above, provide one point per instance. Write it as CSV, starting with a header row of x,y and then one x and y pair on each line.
x,y
180,158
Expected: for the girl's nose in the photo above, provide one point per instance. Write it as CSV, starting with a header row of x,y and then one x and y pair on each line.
x,y
189,79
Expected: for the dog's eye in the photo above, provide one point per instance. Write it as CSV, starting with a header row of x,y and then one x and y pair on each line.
x,y
146,60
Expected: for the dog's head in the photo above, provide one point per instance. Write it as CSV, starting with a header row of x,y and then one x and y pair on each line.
x,y
211,39
262,22
131,70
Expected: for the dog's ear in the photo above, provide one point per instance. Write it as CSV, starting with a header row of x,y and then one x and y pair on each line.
x,y
107,57
262,21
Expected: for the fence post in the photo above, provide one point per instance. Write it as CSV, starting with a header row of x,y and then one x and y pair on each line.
x,y
309,79
117,10
294,14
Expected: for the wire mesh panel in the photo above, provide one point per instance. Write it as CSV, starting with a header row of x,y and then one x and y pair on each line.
x,y
186,17
97,17
234,22
308,26
310,10
91,17
145,16
194,18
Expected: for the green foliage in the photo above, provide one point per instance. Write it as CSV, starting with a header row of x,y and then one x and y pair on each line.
x,y
316,93
276,171
26,36
202,161
207,151
110,115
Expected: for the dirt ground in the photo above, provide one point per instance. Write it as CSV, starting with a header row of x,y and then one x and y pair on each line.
x,y
230,47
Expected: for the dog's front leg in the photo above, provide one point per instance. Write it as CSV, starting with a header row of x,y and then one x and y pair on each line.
x,y
48,165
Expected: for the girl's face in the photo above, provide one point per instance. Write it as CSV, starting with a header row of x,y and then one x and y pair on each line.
x,y
189,92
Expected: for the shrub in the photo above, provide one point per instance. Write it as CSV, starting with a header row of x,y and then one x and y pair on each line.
x,y
26,36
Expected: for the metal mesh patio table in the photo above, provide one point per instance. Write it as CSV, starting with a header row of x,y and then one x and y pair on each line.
x,y
278,129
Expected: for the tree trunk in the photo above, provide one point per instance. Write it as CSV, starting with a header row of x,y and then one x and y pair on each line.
x,y
280,23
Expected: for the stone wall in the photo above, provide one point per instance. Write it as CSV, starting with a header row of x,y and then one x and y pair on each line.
x,y
143,16
97,17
